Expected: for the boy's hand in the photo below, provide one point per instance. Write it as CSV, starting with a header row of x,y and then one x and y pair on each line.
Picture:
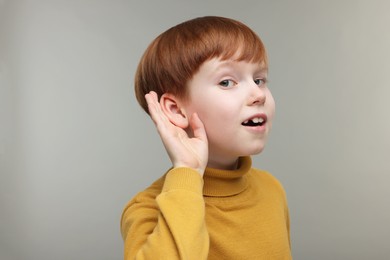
x,y
184,151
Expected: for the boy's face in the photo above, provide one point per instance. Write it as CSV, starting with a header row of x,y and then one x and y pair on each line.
x,y
227,95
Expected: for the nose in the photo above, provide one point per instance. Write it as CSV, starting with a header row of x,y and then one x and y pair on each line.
x,y
257,95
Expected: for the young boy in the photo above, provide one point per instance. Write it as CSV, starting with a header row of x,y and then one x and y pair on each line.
x,y
204,84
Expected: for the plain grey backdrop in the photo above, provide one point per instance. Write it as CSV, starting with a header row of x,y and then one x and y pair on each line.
x,y
75,146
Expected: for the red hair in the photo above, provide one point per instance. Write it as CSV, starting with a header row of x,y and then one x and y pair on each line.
x,y
175,56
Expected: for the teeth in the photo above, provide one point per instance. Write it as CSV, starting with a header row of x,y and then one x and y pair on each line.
x,y
257,120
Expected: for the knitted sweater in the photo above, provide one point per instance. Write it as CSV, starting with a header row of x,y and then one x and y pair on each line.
x,y
239,214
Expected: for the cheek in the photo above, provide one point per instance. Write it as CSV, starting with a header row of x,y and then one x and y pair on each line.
x,y
214,110
219,122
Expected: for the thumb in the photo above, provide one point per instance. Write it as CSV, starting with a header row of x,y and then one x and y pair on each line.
x,y
198,127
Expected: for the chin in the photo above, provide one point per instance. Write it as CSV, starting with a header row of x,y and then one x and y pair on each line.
x,y
256,151
259,151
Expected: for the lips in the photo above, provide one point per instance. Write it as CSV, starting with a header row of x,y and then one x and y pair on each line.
x,y
256,120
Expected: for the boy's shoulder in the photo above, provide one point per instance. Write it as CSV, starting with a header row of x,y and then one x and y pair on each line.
x,y
265,179
147,198
260,178
150,192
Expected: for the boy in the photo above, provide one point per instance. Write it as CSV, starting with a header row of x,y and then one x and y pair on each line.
x,y
204,84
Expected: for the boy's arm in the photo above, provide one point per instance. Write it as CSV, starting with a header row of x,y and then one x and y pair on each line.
x,y
171,226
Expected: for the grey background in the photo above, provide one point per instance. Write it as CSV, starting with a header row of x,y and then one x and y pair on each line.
x,y
75,146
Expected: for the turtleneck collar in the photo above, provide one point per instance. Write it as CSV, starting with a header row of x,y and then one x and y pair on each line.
x,y
223,183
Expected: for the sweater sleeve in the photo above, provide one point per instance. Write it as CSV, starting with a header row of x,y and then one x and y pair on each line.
x,y
171,225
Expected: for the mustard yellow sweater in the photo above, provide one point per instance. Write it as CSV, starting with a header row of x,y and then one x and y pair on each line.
x,y
240,215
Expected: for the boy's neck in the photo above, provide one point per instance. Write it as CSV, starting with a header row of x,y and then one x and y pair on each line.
x,y
223,164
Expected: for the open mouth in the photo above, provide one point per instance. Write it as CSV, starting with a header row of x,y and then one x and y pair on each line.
x,y
257,121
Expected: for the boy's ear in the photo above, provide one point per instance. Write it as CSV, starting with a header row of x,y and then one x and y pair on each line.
x,y
172,108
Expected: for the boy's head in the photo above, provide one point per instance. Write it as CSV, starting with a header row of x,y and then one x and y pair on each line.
x,y
176,55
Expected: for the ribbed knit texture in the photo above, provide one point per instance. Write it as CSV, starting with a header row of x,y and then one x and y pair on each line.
x,y
240,214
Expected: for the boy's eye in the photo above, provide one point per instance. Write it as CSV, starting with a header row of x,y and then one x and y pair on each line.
x,y
227,83
260,82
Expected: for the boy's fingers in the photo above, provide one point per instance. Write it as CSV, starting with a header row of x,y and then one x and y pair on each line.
x,y
155,111
153,106
198,127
